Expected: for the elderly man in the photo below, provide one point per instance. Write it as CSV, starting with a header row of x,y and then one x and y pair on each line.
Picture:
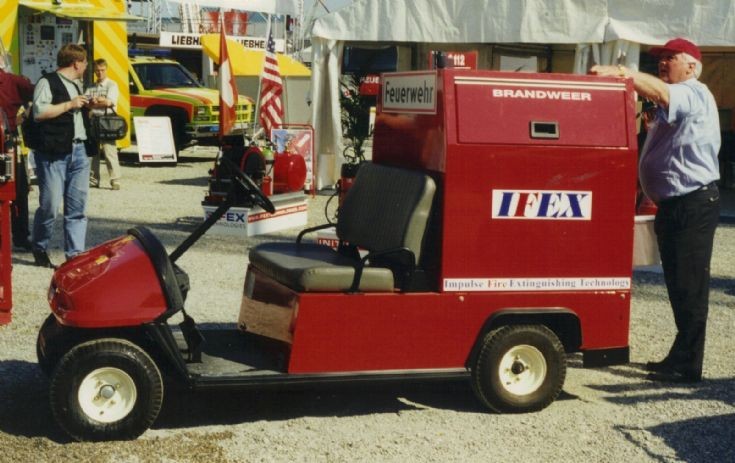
x,y
678,170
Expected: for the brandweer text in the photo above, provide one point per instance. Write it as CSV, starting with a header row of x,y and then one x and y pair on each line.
x,y
542,94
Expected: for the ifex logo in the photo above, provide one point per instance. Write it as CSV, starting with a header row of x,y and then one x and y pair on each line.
x,y
542,204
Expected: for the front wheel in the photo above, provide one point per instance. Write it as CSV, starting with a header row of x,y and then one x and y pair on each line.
x,y
106,389
519,369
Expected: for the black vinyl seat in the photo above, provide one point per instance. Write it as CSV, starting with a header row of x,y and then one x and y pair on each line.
x,y
385,213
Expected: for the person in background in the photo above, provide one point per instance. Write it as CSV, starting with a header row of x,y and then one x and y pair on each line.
x,y
15,92
103,95
62,166
678,170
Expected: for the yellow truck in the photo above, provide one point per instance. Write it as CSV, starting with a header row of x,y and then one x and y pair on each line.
x,y
163,87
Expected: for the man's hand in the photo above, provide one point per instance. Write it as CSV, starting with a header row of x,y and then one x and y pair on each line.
x,y
78,102
609,71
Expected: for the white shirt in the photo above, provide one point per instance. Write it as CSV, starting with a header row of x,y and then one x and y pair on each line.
x,y
106,88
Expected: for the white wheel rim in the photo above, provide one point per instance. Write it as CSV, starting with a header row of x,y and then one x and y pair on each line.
x,y
107,394
522,370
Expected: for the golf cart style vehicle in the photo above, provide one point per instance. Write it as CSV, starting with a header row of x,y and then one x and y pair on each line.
x,y
491,235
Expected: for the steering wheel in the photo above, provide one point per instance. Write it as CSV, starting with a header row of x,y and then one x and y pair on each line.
x,y
250,187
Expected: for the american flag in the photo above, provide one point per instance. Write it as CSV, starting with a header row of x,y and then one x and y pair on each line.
x,y
271,88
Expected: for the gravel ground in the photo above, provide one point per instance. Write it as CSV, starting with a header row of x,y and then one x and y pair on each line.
x,y
608,414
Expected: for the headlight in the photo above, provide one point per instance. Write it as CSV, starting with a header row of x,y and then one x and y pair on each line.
x,y
200,111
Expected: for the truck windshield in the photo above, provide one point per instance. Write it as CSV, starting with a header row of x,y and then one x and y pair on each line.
x,y
163,75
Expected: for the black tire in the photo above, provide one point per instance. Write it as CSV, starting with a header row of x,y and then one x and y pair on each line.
x,y
53,341
46,358
106,389
519,369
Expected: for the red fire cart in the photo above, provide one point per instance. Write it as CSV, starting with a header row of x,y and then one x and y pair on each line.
x,y
496,230
7,195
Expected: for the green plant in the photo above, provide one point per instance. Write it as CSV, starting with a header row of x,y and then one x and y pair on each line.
x,y
355,118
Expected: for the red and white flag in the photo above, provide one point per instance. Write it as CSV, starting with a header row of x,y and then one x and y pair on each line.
x,y
271,88
227,88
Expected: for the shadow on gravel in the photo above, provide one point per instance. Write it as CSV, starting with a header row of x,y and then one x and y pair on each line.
x,y
194,181
187,409
704,439
695,440
24,408
720,389
25,411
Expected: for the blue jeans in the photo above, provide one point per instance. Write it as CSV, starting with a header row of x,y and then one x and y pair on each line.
x,y
60,177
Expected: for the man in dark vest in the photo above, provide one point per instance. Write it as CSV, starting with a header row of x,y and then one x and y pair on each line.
x,y
62,166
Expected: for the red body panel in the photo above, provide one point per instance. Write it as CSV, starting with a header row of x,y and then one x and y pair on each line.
x,y
111,285
536,177
371,332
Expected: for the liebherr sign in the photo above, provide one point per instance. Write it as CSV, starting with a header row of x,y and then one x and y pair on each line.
x,y
188,40
413,92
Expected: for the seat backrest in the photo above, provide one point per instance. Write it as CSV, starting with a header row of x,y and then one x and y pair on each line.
x,y
386,207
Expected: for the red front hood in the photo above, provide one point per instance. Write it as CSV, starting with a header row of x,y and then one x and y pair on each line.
x,y
111,285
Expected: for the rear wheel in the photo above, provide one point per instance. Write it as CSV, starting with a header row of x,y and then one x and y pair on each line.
x,y
106,389
519,369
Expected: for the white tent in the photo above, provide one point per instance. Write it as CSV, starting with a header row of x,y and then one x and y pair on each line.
x,y
611,29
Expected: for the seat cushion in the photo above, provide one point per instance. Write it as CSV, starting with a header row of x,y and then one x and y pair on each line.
x,y
315,267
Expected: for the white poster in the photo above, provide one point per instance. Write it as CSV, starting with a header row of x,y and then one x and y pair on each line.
x,y
155,139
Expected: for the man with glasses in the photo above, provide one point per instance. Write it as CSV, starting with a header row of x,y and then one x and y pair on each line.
x,y
103,95
62,167
678,170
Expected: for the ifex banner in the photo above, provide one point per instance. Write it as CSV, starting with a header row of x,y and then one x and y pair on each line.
x,y
542,205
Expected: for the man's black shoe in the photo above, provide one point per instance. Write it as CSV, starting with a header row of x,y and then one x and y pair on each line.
x,y
41,259
671,375
23,245
663,365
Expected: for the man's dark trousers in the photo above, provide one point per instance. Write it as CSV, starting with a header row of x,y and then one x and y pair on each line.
x,y
19,209
685,227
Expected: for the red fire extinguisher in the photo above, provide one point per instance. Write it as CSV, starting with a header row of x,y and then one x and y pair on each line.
x,y
289,173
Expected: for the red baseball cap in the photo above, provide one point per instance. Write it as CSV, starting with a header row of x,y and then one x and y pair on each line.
x,y
677,45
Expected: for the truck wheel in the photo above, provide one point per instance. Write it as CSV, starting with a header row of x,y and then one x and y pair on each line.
x,y
106,389
519,369
178,125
